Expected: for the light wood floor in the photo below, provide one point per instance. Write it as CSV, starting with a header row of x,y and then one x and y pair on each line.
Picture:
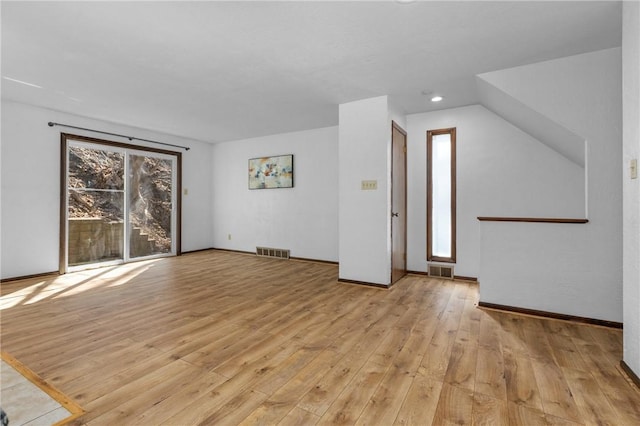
x,y
225,338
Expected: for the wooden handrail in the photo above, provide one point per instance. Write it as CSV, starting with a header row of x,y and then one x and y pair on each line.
x,y
530,219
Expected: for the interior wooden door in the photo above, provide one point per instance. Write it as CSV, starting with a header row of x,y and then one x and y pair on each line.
x,y
398,202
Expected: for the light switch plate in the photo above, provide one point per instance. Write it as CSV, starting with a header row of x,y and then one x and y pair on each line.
x,y
369,185
633,169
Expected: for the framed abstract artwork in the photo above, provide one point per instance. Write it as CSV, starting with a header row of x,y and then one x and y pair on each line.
x,y
271,172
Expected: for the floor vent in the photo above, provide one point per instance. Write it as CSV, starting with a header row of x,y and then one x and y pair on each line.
x,y
272,252
441,271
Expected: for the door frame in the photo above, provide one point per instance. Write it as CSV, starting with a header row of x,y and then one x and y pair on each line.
x,y
395,126
65,139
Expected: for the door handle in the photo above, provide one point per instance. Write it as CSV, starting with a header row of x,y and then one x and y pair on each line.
x,y
394,214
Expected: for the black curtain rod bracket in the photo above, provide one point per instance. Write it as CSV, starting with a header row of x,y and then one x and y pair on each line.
x,y
131,138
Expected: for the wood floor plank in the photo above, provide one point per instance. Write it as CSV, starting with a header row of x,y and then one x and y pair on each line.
x,y
348,406
469,328
558,421
489,411
490,374
229,338
285,398
455,406
608,339
559,327
350,403
109,403
385,403
566,354
236,409
391,345
538,346
555,393
171,381
419,405
179,396
262,350
512,335
299,416
621,395
522,387
258,372
318,399
285,371
520,414
86,389
77,368
489,333
590,400
201,409
436,360
461,371
235,341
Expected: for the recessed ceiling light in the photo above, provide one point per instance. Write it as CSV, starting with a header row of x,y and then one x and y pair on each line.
x,y
436,98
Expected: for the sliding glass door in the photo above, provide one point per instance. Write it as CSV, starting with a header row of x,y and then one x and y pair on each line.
x,y
120,203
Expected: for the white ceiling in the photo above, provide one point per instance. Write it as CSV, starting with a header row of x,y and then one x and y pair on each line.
x,y
218,71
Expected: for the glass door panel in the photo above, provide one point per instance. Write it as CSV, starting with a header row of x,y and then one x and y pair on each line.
x,y
151,205
95,206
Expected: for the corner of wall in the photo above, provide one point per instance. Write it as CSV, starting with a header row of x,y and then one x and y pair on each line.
x,y
364,151
631,187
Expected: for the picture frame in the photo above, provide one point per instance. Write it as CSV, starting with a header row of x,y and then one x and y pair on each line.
x,y
271,172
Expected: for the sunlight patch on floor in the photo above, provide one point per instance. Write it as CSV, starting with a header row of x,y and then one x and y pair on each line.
x,y
74,283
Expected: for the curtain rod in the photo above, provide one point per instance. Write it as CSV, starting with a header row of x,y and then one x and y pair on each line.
x,y
51,124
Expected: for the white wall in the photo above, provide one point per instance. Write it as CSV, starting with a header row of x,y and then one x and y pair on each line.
x,y
501,171
303,219
364,216
396,114
543,267
631,188
31,186
582,93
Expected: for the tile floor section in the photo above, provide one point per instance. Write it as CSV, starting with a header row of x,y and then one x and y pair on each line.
x,y
25,403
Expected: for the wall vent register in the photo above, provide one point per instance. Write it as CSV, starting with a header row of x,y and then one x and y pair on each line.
x,y
441,271
272,252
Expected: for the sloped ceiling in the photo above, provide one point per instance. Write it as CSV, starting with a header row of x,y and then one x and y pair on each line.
x,y
219,71
542,128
